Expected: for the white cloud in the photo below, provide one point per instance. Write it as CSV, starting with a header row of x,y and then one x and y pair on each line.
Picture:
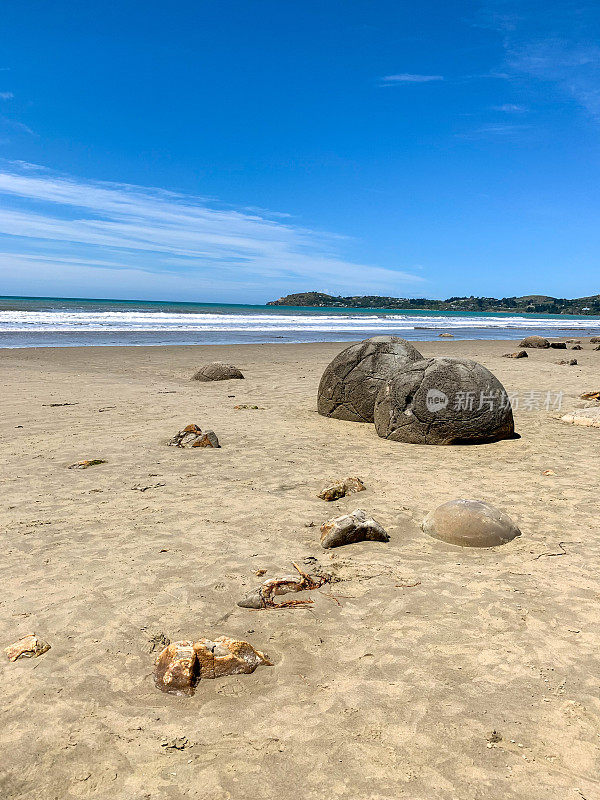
x,y
6,95
510,108
54,224
406,77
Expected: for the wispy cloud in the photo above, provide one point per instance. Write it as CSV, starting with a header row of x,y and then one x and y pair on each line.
x,y
551,43
59,225
6,95
407,77
510,108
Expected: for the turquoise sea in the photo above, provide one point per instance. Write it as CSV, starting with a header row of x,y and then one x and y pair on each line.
x,y
66,322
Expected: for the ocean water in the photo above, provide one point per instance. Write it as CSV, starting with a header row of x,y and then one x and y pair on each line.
x,y
66,322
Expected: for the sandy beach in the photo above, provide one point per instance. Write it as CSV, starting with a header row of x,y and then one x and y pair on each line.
x,y
390,685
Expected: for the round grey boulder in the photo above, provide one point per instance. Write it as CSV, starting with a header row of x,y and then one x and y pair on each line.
x,y
350,383
470,523
217,371
535,341
444,401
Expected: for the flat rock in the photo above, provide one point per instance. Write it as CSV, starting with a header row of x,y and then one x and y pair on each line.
x,y
570,362
193,436
181,665
558,345
352,528
342,488
350,383
30,646
534,341
588,417
217,371
518,354
590,396
92,462
444,401
470,523
446,335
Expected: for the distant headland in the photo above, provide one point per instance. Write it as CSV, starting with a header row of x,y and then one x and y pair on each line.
x,y
528,304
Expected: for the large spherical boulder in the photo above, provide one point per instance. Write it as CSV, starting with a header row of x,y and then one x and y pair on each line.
x,y
470,523
443,401
217,371
350,383
535,341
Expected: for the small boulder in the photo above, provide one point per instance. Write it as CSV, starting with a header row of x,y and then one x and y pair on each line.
x,y
262,596
470,523
595,340
518,354
341,489
193,436
588,417
217,371
572,362
350,383
597,348
444,401
446,335
30,646
558,345
182,664
577,347
352,528
93,462
534,341
590,396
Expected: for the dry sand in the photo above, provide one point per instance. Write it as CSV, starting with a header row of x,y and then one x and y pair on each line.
x,y
389,686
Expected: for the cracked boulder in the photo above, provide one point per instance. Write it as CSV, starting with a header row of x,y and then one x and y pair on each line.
x,y
182,664
263,595
470,523
444,401
342,488
350,383
217,371
352,528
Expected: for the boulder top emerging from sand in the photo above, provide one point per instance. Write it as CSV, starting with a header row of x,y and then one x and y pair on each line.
x,y
217,371
444,401
588,417
351,381
535,341
470,523
352,528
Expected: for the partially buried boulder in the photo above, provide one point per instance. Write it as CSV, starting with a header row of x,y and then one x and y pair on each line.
x,y
470,523
587,417
350,383
193,436
352,528
342,488
217,371
535,341
444,401
182,664
518,354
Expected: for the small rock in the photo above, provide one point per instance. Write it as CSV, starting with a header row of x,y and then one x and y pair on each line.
x,y
351,528
548,472
470,523
262,596
518,354
597,348
30,646
177,743
494,737
535,341
577,347
572,362
595,340
342,488
85,464
590,396
243,406
446,336
588,417
217,371
181,665
193,436
558,345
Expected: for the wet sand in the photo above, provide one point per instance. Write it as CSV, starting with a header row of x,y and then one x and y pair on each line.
x,y
390,685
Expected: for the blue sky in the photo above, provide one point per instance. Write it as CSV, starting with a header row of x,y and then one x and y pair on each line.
x,y
235,151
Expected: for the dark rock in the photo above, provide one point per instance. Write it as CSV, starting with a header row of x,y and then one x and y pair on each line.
x,y
444,401
558,345
193,436
534,341
595,340
470,523
350,383
342,488
518,354
352,528
570,362
217,371
577,347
